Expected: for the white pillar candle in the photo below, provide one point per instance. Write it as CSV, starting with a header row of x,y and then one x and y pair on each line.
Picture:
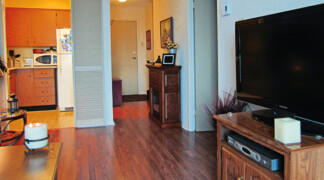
x,y
36,131
287,130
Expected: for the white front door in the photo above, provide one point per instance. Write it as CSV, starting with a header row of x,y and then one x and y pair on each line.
x,y
124,55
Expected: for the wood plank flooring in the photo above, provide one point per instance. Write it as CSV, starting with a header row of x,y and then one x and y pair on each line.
x,y
53,118
135,148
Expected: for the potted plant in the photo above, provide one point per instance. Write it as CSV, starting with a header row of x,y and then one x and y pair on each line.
x,y
222,105
172,46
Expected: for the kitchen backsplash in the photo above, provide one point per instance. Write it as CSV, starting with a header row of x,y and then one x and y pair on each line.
x,y
25,52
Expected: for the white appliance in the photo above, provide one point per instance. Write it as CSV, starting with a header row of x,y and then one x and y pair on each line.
x,y
45,59
64,70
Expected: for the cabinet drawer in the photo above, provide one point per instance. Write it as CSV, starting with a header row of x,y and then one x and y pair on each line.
x,y
47,100
44,82
43,73
46,91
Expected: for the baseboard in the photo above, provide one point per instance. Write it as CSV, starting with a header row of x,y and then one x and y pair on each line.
x,y
135,97
39,108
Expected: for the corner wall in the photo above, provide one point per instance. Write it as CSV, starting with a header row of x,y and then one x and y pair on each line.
x,y
137,14
149,26
244,9
181,13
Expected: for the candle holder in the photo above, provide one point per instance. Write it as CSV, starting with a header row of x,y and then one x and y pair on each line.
x,y
28,141
36,136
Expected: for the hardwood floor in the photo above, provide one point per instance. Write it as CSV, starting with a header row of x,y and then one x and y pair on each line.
x,y
53,118
135,148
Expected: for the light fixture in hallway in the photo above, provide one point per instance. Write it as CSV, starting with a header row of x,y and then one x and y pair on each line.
x,y
122,0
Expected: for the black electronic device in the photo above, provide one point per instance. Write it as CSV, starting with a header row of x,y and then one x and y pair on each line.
x,y
260,154
280,60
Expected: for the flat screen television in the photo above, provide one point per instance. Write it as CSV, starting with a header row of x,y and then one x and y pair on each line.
x,y
280,64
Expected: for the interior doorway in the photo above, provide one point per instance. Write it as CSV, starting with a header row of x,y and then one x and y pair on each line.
x,y
124,55
50,83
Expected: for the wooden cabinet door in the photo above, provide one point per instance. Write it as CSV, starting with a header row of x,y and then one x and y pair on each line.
x,y
63,19
43,27
25,87
253,174
232,166
18,27
12,81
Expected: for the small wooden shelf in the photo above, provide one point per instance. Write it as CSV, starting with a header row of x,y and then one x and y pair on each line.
x,y
301,161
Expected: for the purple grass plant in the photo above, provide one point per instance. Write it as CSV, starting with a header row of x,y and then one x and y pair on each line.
x,y
222,105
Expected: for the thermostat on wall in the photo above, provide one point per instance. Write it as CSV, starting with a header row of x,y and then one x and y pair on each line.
x,y
226,8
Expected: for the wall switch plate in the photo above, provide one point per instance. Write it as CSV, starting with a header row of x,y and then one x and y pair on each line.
x,y
226,8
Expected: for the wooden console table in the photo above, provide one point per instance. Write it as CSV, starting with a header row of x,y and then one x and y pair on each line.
x,y
301,161
164,84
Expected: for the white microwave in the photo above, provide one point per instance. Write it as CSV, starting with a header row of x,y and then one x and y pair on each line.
x,y
45,59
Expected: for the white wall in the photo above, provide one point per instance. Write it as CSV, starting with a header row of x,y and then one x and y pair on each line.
x,y
205,60
244,9
181,12
135,14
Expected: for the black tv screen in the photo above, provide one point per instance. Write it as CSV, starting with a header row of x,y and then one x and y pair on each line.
x,y
280,61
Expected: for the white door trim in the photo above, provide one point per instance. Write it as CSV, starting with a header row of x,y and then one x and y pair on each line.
x,y
106,44
191,67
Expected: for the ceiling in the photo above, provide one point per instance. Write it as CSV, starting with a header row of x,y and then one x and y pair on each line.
x,y
130,3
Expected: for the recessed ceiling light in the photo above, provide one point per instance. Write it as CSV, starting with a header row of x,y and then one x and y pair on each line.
x,y
122,0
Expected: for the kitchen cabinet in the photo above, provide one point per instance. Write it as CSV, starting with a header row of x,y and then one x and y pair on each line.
x,y
34,27
43,27
18,27
63,19
44,87
12,81
25,87
35,86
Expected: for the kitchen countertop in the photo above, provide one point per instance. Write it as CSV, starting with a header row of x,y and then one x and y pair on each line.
x,y
34,67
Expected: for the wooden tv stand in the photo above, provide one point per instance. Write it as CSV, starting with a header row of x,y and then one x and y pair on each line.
x,y
301,161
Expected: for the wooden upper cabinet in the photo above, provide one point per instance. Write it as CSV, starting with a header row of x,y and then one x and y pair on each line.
x,y
63,19
18,27
43,27
34,27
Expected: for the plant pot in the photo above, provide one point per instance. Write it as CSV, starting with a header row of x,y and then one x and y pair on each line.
x,y
172,51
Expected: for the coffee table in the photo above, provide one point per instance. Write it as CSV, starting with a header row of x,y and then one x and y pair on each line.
x,y
11,137
39,164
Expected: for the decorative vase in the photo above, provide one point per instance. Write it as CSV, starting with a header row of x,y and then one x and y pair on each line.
x,y
172,51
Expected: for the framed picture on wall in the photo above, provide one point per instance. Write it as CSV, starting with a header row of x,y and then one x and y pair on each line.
x,y
166,31
168,59
148,40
